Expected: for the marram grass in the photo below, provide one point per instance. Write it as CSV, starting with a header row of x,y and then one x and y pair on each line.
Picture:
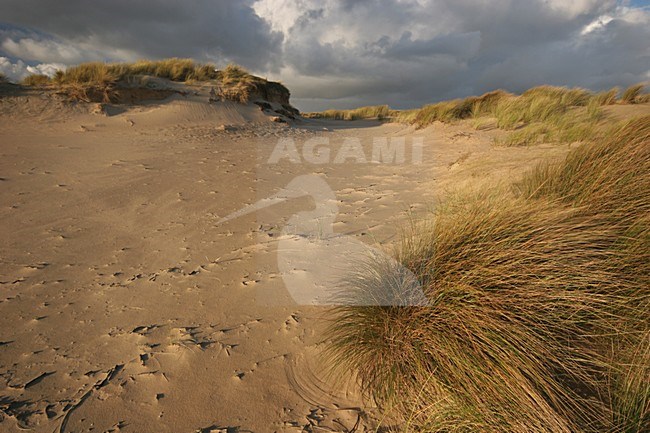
x,y
378,112
538,315
97,78
541,114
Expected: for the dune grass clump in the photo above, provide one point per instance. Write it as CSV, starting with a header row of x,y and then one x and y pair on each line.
x,y
445,111
458,109
575,125
35,80
233,73
95,73
538,315
173,69
541,114
403,116
629,375
486,104
373,112
632,93
237,84
522,110
530,135
608,97
98,73
550,114
378,112
565,96
99,82
540,104
609,173
611,178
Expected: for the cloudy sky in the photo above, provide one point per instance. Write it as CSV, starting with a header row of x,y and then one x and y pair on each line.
x,y
345,53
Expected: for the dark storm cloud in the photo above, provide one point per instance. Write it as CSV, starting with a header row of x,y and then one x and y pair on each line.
x,y
408,53
615,54
336,53
119,28
461,45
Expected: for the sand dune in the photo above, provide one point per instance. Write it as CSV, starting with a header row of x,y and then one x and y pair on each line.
x,y
125,306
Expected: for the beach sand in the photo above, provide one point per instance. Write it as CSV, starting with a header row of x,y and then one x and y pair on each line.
x,y
126,306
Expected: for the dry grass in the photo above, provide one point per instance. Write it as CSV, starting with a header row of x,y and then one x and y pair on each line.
x,y
98,81
530,107
233,74
565,96
606,98
629,376
553,114
458,109
577,124
97,73
379,112
540,114
529,135
403,116
35,80
632,93
538,314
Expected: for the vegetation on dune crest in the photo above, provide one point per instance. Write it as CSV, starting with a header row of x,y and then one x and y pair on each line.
x,y
378,112
632,93
458,109
404,116
539,304
606,98
540,114
87,80
544,113
35,80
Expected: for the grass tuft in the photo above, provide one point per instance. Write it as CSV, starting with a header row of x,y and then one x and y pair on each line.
x,y
458,109
538,314
403,116
632,93
606,98
36,80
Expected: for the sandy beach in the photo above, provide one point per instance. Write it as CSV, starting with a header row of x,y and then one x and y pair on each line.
x,y
126,306
271,216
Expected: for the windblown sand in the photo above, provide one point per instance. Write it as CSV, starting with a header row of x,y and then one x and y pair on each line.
x,y
125,306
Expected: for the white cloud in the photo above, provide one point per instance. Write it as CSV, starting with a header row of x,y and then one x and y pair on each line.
x,y
19,70
48,69
573,8
598,23
42,50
